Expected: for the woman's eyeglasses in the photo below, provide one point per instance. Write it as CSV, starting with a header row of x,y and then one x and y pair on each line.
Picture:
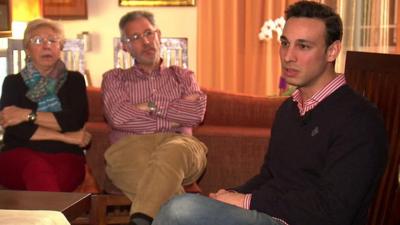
x,y
52,41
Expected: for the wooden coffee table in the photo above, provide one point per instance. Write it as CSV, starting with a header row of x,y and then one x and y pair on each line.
x,y
70,204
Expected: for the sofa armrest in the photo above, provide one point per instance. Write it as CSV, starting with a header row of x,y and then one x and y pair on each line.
x,y
95,104
95,153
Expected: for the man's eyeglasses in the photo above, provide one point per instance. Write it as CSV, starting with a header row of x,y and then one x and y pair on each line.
x,y
148,34
53,41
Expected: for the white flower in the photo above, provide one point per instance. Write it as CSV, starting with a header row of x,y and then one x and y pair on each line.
x,y
269,26
279,24
266,30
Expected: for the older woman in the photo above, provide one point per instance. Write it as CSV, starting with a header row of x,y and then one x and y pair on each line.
x,y
43,111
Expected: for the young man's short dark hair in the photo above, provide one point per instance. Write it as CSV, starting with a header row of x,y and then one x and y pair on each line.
x,y
333,23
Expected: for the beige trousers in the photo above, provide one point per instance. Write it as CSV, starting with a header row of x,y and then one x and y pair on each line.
x,y
151,168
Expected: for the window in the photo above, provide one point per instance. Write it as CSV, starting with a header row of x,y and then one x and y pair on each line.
x,y
369,25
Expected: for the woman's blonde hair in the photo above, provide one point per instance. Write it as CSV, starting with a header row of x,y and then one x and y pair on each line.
x,y
37,23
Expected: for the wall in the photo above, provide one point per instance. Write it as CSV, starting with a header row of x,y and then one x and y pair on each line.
x,y
102,24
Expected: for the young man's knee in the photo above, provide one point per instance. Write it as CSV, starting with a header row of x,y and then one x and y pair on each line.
x,y
180,208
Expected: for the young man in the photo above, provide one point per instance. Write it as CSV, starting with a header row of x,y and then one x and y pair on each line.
x,y
328,145
151,109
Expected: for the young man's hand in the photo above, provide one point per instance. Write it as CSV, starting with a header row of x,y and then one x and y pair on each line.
x,y
230,197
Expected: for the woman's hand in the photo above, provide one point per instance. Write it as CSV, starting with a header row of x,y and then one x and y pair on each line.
x,y
13,115
80,137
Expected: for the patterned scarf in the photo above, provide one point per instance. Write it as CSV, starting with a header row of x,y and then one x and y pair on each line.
x,y
43,89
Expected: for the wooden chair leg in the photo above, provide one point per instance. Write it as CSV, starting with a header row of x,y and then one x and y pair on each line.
x,y
99,214
98,211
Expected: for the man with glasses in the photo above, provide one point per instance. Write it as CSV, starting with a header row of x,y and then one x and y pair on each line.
x,y
151,110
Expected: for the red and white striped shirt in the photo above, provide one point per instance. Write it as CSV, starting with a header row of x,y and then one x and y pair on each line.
x,y
166,87
305,106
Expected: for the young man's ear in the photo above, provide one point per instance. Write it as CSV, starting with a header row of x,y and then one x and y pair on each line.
x,y
333,51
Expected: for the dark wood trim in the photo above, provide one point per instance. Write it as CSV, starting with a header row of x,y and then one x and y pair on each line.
x,y
157,2
398,28
5,15
65,9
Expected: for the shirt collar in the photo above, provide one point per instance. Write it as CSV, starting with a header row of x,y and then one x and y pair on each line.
x,y
318,96
156,72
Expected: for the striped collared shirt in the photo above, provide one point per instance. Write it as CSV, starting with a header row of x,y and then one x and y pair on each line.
x,y
167,86
319,96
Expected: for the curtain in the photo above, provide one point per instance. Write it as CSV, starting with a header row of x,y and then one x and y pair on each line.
x,y
230,56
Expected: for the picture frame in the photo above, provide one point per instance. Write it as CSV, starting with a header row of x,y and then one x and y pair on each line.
x,y
157,2
5,15
65,9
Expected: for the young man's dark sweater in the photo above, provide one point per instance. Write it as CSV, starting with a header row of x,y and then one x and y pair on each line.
x,y
322,168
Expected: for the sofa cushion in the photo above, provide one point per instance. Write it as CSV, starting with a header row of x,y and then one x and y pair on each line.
x,y
232,158
231,131
228,109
